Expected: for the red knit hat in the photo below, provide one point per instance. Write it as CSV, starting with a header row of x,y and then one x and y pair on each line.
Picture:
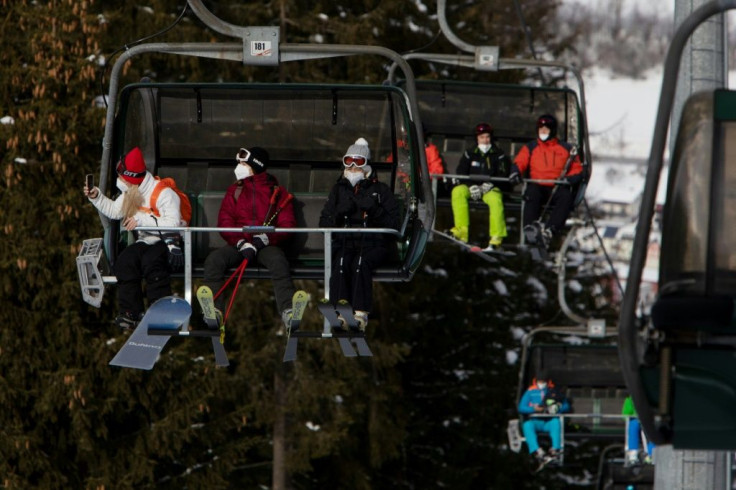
x,y
132,167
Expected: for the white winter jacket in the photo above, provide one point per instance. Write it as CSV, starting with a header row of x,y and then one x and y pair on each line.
x,y
167,204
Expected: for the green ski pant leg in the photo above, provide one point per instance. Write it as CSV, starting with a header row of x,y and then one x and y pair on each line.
x,y
496,217
459,201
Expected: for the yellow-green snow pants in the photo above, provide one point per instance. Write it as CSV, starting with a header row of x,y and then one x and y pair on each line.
x,y
494,200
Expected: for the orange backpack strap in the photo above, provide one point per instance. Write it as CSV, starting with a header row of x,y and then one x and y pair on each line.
x,y
154,196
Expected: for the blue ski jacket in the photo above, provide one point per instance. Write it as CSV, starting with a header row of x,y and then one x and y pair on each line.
x,y
533,397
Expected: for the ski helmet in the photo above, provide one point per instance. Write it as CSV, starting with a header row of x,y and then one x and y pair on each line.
x,y
482,128
548,121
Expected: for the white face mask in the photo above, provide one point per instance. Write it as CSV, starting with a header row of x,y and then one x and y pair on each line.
x,y
243,171
484,148
541,385
120,183
544,137
353,177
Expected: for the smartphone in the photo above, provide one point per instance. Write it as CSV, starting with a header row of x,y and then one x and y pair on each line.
x,y
90,181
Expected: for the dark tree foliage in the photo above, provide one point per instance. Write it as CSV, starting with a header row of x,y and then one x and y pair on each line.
x,y
429,408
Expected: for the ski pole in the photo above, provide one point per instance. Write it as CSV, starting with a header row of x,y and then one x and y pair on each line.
x,y
239,270
565,169
274,195
283,204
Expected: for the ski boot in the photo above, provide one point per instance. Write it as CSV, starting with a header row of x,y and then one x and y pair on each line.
x,y
460,232
361,317
127,320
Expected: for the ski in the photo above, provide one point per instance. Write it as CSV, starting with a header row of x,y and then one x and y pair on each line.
x,y
299,303
344,310
141,350
214,323
488,255
328,311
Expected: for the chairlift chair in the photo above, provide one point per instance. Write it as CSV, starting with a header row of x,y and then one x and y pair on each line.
x,y
679,362
190,132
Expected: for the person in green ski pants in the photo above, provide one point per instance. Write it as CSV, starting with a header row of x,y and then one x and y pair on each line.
x,y
485,159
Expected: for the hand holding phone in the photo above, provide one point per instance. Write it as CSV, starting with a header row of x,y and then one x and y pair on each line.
x,y
89,186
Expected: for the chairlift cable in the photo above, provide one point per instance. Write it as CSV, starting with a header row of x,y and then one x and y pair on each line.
x,y
431,42
603,246
527,35
134,43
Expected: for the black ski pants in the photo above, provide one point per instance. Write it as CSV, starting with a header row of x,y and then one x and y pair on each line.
x,y
536,197
220,261
352,274
135,263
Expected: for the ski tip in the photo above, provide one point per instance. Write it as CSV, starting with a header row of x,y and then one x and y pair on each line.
x,y
204,290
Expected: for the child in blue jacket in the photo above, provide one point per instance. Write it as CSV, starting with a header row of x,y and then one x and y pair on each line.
x,y
542,398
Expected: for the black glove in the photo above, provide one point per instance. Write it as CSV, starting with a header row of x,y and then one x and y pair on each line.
x,y
176,256
573,179
515,178
366,203
260,241
345,208
247,249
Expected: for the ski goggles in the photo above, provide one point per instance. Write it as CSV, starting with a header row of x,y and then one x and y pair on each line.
x,y
121,169
354,161
243,156
545,122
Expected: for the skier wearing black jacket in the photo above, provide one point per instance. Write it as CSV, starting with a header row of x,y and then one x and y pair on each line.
x,y
358,200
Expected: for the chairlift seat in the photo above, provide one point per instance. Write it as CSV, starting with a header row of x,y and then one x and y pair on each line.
x,y
714,314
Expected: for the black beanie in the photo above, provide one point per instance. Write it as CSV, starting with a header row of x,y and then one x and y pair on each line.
x,y
258,159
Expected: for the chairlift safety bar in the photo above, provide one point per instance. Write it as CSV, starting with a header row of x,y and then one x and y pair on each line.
x,y
327,232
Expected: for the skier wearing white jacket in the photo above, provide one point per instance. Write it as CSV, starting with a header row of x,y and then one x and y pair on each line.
x,y
148,257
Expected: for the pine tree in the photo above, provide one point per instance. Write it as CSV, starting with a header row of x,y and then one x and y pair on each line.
x,y
72,421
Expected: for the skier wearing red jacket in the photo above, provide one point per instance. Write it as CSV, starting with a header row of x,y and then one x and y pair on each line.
x,y
545,158
247,202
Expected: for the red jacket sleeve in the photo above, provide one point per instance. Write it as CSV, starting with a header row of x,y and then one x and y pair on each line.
x,y
522,159
227,217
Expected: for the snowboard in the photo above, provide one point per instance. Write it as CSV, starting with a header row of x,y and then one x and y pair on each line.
x,y
299,303
345,338
141,350
483,253
214,324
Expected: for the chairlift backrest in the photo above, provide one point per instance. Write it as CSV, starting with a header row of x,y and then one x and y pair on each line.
x,y
698,236
454,108
588,374
192,132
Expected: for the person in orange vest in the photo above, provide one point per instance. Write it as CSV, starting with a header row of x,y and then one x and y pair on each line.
x,y
149,257
435,161
546,158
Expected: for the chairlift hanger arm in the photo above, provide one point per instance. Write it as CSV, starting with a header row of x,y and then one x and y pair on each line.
x,y
628,332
